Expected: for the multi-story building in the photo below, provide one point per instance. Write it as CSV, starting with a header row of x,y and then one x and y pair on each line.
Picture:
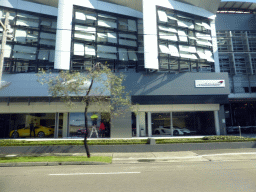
x,y
167,50
236,34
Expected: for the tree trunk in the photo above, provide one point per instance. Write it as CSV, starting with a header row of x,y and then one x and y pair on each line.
x,y
86,128
86,121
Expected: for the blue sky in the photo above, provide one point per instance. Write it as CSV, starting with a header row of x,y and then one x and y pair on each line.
x,y
252,1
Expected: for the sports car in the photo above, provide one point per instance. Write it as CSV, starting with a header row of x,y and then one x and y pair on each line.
x,y
168,131
40,132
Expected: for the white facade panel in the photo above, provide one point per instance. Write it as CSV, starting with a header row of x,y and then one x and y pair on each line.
x,y
89,50
63,35
79,49
20,35
150,40
8,50
215,47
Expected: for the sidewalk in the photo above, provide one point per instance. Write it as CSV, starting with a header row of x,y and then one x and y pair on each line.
x,y
149,157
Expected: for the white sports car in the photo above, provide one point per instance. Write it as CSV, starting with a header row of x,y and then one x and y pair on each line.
x,y
168,131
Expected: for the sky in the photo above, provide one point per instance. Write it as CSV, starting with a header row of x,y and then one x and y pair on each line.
x,y
251,1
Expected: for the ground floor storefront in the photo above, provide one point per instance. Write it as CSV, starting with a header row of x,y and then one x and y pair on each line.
x,y
179,120
240,115
49,120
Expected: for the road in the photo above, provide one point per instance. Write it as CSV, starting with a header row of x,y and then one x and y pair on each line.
x,y
177,177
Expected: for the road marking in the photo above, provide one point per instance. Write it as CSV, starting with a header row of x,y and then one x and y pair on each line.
x,y
249,153
111,173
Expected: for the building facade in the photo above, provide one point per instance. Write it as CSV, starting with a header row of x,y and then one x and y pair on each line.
x,y
236,34
167,50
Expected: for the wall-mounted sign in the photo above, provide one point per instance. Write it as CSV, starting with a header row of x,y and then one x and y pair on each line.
x,y
210,83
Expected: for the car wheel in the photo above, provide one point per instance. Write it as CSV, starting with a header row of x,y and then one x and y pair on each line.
x,y
41,134
15,134
157,132
175,133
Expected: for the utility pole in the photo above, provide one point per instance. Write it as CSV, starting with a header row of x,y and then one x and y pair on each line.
x,y
4,37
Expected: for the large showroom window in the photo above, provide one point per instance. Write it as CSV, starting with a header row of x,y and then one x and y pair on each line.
x,y
36,125
185,42
183,123
98,125
104,37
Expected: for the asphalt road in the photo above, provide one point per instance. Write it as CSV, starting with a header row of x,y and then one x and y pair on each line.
x,y
177,177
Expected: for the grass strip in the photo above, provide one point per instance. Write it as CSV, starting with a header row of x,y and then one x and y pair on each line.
x,y
207,139
55,159
14,142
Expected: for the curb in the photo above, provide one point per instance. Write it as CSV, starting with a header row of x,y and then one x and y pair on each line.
x,y
31,164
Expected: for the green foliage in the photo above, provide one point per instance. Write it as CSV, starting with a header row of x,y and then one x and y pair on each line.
x,y
97,85
206,139
15,142
226,138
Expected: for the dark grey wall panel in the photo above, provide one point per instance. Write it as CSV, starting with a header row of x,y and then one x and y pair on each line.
x,y
180,99
23,85
173,84
26,85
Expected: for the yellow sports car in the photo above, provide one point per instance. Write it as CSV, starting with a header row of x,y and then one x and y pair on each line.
x,y
40,132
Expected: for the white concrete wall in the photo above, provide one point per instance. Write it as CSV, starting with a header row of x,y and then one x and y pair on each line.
x,y
63,35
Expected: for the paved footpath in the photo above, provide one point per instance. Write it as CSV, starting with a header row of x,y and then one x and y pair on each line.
x,y
150,157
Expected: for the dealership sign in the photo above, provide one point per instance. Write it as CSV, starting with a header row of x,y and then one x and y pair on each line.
x,y
210,83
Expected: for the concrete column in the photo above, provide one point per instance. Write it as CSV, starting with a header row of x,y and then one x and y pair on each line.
x,y
222,120
215,47
65,125
217,125
137,125
141,124
149,125
56,128
121,126
63,35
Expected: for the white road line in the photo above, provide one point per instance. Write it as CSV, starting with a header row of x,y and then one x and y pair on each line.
x,y
248,153
111,173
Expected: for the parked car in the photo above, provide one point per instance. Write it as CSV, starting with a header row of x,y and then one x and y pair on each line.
x,y
81,131
40,131
59,130
168,131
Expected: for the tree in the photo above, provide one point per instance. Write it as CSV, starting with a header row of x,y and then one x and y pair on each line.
x,y
97,85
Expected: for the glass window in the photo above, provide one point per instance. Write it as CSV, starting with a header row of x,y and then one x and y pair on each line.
x,y
123,54
24,52
162,16
98,125
27,125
